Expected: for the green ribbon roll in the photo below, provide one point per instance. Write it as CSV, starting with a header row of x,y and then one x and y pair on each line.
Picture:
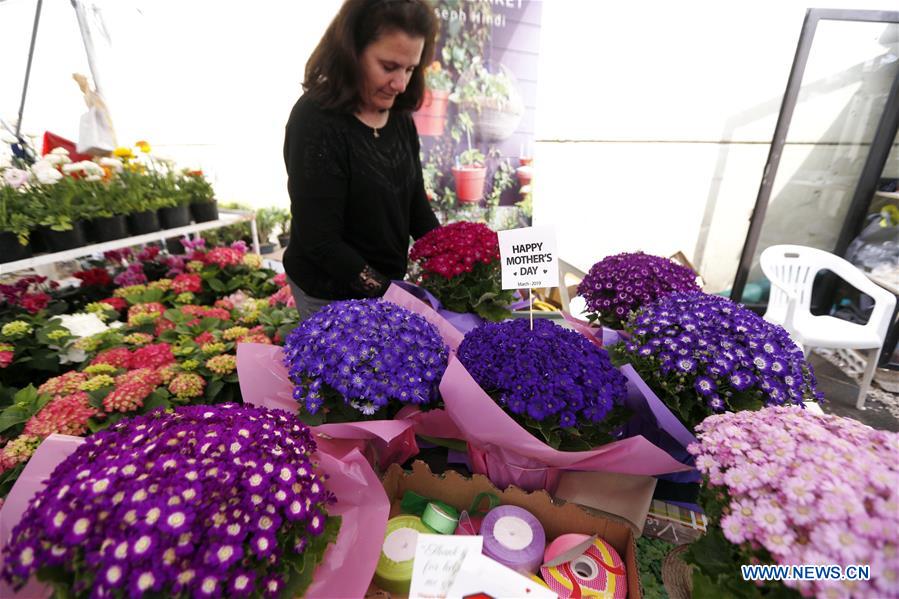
x,y
394,570
441,517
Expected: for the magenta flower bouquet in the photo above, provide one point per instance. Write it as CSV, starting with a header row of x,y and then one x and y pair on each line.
x,y
203,501
618,285
789,487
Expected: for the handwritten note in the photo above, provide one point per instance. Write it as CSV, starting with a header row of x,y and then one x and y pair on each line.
x,y
437,561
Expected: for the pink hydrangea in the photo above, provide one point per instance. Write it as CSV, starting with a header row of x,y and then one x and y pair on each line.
x,y
139,314
7,352
818,489
64,384
127,397
187,282
145,376
64,414
153,356
282,297
18,450
120,357
223,257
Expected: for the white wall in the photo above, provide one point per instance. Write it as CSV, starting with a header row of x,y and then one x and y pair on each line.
x,y
649,113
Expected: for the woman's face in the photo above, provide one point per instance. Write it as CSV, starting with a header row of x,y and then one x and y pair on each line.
x,y
387,66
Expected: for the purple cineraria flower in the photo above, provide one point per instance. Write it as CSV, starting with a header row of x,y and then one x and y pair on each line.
x,y
177,504
688,346
550,375
365,357
618,285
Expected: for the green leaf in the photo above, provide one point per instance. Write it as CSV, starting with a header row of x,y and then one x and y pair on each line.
x,y
9,478
47,360
302,570
492,312
216,285
26,403
213,389
160,398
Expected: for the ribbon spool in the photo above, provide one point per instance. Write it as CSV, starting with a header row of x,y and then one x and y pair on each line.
x,y
394,570
592,571
514,537
441,517
470,520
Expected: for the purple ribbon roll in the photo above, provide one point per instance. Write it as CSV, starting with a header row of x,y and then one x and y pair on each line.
x,y
514,538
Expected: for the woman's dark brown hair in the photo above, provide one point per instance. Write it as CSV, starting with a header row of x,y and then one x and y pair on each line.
x,y
333,73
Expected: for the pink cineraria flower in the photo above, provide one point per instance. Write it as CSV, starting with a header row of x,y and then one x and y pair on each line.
x,y
827,492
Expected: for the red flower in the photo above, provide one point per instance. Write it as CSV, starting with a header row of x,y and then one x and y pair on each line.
x,y
219,313
35,302
116,302
455,249
205,337
153,356
5,358
163,324
120,357
95,276
223,257
187,282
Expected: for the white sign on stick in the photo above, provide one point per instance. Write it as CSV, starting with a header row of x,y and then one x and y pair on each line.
x,y
529,258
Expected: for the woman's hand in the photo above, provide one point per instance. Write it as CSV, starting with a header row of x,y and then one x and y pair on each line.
x,y
370,283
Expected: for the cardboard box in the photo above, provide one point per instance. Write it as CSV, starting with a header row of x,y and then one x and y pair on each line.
x,y
556,517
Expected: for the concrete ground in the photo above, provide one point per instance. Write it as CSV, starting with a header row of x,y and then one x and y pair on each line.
x,y
841,391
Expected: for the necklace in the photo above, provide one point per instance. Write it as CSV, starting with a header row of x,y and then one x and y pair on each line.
x,y
374,130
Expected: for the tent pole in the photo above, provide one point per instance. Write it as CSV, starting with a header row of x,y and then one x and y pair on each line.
x,y
88,43
37,18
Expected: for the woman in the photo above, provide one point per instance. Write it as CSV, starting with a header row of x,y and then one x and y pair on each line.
x,y
352,154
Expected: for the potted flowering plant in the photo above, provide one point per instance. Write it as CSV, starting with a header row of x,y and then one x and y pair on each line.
x,y
618,285
430,119
459,264
364,360
16,223
571,401
270,508
703,354
202,202
783,486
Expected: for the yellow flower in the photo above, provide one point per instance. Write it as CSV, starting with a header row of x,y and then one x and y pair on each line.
x,y
434,67
143,146
124,153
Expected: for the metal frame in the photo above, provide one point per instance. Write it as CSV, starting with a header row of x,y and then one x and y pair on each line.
x,y
880,146
226,218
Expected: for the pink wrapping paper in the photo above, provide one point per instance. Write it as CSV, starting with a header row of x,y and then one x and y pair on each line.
x,y
509,455
264,382
600,336
348,565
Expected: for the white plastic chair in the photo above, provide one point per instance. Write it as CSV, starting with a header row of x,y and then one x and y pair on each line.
x,y
791,270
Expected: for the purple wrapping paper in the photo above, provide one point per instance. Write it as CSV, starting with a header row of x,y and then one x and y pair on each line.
x,y
463,322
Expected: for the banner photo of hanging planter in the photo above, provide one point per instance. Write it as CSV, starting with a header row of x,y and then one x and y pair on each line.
x,y
331,509
531,403
476,121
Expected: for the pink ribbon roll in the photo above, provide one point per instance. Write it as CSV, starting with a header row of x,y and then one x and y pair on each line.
x,y
514,537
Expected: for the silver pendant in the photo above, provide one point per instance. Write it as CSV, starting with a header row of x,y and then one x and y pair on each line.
x,y
375,131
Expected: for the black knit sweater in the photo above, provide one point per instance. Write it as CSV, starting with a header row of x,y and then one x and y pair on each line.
x,y
355,199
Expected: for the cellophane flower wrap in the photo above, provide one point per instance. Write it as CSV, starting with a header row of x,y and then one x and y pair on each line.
x,y
703,354
364,360
786,486
460,264
556,384
199,502
618,285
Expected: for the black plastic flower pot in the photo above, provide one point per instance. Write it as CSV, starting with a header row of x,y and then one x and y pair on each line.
x,y
176,216
283,239
266,248
10,248
60,241
108,228
140,223
204,211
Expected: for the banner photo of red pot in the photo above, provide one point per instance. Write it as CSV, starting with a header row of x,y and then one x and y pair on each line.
x,y
509,454
361,505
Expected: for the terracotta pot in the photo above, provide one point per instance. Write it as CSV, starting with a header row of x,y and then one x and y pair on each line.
x,y
430,119
470,183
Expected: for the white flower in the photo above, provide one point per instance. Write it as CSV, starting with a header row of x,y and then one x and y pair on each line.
x,y
45,173
56,159
112,163
82,324
15,177
59,151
